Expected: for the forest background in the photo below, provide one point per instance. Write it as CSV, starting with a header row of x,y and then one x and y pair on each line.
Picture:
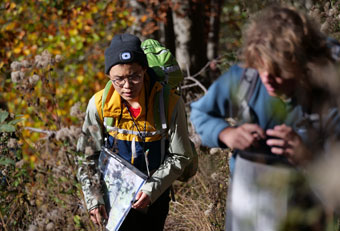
x,y
52,62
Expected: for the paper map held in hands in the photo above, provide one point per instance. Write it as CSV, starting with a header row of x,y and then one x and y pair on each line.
x,y
123,182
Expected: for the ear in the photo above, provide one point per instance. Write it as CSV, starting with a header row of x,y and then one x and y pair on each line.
x,y
144,70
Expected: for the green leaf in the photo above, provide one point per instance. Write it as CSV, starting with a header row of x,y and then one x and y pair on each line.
x,y
7,128
77,220
79,46
13,122
6,161
3,115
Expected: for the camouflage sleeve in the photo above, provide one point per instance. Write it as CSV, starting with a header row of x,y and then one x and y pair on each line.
x,y
179,157
89,144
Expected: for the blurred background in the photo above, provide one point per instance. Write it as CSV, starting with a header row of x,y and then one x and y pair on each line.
x,y
52,62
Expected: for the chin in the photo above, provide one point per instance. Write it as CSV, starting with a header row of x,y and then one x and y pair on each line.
x,y
128,98
272,93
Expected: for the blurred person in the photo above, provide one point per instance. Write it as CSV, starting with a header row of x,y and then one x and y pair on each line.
x,y
130,103
289,122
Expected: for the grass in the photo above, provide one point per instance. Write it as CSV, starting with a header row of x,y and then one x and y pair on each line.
x,y
200,202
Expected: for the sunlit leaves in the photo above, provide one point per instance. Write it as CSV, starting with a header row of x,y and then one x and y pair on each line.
x,y
77,30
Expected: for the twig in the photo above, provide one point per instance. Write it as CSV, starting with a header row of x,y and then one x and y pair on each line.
x,y
3,222
197,82
192,78
40,130
189,85
55,99
34,150
206,66
188,70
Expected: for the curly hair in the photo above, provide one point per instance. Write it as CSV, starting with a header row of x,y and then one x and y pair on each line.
x,y
284,42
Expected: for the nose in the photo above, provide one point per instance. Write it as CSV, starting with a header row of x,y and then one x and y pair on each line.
x,y
127,83
266,77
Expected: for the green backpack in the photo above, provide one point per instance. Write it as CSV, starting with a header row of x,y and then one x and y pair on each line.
x,y
170,75
163,63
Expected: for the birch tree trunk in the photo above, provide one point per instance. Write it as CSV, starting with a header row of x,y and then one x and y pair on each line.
x,y
138,10
182,26
188,20
145,25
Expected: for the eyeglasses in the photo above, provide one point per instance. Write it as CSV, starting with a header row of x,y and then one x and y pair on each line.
x,y
133,79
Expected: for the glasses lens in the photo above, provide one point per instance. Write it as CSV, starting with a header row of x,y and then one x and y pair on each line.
x,y
134,78
120,82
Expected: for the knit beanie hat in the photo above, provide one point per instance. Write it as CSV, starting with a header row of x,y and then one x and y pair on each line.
x,y
124,48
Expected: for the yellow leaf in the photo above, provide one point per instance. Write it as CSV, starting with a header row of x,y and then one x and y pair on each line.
x,y
101,75
143,18
10,26
80,25
32,36
71,101
12,6
1,64
33,158
109,37
73,32
60,91
27,51
87,28
17,50
56,52
94,9
80,78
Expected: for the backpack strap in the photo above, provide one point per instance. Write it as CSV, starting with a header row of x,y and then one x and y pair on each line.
x,y
162,110
106,120
105,93
163,122
160,117
245,92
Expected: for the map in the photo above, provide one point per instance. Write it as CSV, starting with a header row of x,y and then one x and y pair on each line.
x,y
123,182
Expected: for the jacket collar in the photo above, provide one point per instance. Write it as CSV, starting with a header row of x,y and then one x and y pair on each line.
x,y
113,106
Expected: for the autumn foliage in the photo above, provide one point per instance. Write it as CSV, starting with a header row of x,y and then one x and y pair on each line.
x,y
52,62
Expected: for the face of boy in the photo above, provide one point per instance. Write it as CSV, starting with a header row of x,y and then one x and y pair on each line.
x,y
128,80
277,86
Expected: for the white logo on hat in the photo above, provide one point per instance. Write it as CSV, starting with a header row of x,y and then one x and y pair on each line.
x,y
126,56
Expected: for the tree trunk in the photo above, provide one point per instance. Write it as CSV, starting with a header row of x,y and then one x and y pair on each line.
x,y
169,33
182,25
145,25
189,27
214,28
138,10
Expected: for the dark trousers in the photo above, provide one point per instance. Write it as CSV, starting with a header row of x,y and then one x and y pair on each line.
x,y
151,220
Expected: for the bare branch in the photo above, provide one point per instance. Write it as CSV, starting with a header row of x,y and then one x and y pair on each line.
x,y
40,130
189,85
197,83
188,70
192,78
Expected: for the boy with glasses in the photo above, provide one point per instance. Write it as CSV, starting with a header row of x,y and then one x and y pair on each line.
x,y
129,106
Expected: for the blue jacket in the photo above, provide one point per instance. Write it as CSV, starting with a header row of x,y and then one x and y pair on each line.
x,y
209,114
